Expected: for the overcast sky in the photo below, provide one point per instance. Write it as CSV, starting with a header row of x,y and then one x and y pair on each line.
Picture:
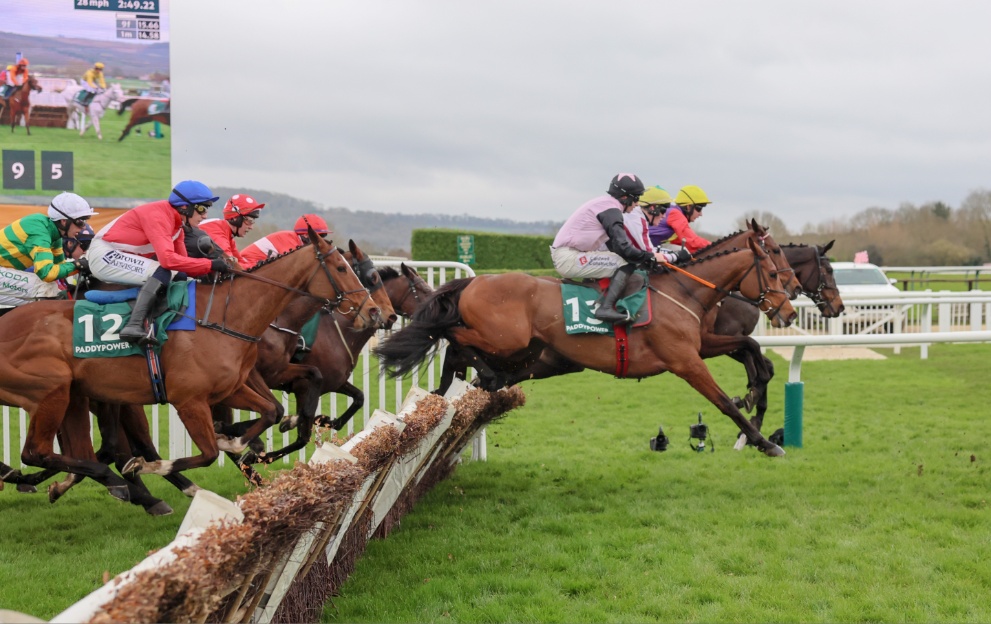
x,y
809,110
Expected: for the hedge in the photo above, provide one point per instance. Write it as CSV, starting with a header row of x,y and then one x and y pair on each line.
x,y
511,252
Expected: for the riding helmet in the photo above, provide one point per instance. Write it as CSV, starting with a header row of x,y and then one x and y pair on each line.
x,y
626,185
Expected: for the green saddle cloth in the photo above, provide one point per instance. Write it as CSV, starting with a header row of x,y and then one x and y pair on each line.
x,y
95,326
307,336
579,311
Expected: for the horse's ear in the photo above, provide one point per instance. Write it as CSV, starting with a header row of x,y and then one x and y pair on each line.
x,y
828,246
354,248
754,226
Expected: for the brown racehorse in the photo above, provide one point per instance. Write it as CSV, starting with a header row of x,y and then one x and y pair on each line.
x,y
512,317
140,114
325,369
20,103
551,364
39,373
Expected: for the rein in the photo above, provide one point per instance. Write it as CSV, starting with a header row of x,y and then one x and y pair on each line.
x,y
330,304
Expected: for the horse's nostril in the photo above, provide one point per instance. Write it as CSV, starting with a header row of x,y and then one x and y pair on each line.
x,y
392,318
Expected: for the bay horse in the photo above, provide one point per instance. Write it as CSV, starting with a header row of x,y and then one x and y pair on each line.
x,y
513,317
19,103
39,373
141,113
326,368
551,364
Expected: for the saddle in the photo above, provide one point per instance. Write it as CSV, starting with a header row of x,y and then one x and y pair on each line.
x,y
636,283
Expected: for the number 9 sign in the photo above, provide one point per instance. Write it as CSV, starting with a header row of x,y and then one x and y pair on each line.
x,y
18,169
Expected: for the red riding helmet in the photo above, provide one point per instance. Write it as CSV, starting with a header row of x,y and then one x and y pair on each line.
x,y
317,223
242,206
23,61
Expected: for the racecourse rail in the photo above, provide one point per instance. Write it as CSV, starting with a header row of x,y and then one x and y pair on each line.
x,y
908,319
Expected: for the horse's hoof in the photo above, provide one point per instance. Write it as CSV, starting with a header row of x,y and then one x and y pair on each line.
x,y
25,488
738,402
133,466
161,508
120,492
54,493
774,451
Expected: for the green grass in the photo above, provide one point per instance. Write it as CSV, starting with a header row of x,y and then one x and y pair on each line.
x,y
137,167
882,516
939,281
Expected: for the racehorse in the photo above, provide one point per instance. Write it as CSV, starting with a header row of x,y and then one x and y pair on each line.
x,y
142,111
512,317
39,373
95,111
551,364
328,365
20,103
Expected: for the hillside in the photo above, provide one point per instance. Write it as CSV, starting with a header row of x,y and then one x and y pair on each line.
x,y
375,232
71,56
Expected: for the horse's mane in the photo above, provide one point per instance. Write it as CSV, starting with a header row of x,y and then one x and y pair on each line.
x,y
718,254
387,273
720,241
272,259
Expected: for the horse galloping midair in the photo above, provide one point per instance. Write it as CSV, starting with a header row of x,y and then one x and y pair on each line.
x,y
39,372
513,317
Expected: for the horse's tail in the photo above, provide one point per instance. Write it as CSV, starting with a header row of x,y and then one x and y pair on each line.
x,y
409,347
126,104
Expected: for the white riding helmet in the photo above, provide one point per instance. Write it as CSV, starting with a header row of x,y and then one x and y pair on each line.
x,y
69,206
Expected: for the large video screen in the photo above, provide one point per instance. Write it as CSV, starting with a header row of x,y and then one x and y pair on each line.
x,y
115,151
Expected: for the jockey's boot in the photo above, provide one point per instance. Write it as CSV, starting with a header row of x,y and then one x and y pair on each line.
x,y
607,303
137,330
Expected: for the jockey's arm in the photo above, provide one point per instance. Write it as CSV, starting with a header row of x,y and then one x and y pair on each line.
x,y
619,241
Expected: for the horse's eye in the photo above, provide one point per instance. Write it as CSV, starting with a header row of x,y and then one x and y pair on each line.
x,y
341,269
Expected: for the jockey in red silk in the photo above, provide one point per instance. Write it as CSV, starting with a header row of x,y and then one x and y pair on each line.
x,y
286,240
240,214
675,227
145,244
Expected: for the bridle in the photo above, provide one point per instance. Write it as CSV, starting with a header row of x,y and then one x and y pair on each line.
x,y
340,294
410,290
816,296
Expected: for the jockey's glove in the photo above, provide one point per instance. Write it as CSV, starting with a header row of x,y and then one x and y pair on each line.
x,y
683,255
220,265
82,265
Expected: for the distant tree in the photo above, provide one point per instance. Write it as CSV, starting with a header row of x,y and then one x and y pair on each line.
x,y
874,255
941,210
976,216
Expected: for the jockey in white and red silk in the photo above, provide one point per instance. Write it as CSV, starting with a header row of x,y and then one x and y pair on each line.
x,y
240,214
145,244
286,240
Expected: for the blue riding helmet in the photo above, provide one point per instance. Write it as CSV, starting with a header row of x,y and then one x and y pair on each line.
x,y
190,192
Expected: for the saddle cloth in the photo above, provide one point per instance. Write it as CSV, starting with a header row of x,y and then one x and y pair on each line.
x,y
98,318
579,304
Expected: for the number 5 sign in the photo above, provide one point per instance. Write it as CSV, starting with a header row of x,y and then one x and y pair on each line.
x,y
56,171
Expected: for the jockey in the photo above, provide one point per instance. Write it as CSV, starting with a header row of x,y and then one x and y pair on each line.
x,y
31,254
594,243
4,86
92,79
638,222
16,75
674,226
145,244
286,240
240,213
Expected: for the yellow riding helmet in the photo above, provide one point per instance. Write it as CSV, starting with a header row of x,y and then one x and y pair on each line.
x,y
655,195
690,195
99,66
